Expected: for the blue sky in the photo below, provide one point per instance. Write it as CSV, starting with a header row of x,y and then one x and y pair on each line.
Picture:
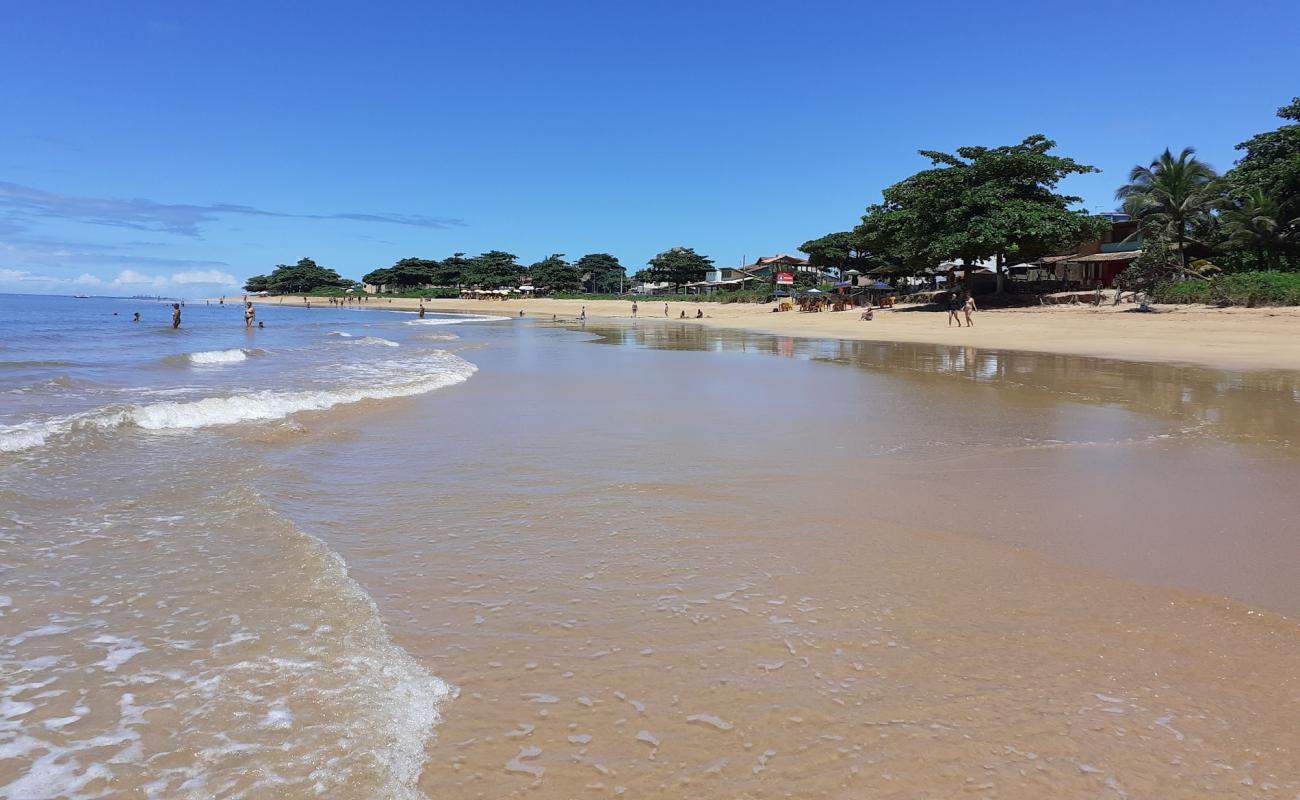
x,y
175,148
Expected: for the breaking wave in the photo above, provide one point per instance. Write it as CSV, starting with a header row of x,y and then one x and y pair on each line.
x,y
233,356
378,381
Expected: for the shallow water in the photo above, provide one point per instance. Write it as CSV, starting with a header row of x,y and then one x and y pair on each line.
x,y
655,560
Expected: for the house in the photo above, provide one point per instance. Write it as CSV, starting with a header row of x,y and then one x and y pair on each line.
x,y
1096,262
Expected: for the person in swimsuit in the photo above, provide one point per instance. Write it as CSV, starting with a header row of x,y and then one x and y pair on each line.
x,y
176,315
970,308
954,305
421,309
249,315
633,309
135,317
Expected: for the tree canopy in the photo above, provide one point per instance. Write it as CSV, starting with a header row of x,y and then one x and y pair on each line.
x,y
679,265
305,276
554,274
1272,163
604,273
840,250
979,203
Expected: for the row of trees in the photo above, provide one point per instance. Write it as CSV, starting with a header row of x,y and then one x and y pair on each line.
x,y
1001,203
594,272
599,273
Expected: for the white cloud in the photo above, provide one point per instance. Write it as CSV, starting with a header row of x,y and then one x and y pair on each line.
x,y
127,279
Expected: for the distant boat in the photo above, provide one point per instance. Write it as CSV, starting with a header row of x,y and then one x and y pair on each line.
x,y
81,296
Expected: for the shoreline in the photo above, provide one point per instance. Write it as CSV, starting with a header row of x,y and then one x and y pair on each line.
x,y
1256,339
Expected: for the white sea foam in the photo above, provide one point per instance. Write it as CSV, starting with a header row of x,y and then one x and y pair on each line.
x,y
376,340
344,334
454,321
232,356
377,381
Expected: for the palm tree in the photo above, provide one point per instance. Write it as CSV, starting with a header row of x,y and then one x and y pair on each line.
x,y
1173,194
1257,224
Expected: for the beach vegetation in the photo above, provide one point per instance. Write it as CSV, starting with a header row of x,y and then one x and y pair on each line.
x,y
980,203
1171,196
302,278
554,274
602,273
678,266
1248,289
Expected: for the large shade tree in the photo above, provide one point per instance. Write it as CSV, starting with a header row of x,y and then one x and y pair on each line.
x,y
305,276
1172,195
839,250
554,274
980,203
493,270
601,272
680,265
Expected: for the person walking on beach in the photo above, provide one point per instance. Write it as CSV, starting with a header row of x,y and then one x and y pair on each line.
x,y
665,309
970,308
176,315
954,305
583,315
633,309
249,315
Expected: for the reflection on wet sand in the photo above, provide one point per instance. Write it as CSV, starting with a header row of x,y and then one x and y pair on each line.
x,y
1258,405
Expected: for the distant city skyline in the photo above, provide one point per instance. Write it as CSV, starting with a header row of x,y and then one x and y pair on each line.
x,y
159,148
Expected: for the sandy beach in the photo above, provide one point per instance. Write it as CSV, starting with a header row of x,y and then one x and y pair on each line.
x,y
1236,338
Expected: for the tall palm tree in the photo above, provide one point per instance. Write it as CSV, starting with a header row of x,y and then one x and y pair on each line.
x,y
1257,223
1172,193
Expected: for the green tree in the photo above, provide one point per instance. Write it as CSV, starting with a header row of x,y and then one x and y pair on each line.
x,y
493,270
451,270
305,276
1171,195
979,203
1272,163
1258,225
604,274
554,274
840,250
680,265
258,283
405,274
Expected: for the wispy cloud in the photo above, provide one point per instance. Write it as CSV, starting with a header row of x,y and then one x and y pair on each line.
x,y
182,219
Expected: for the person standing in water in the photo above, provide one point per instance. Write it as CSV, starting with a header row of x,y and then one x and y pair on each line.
x,y
970,309
135,317
249,315
176,315
421,309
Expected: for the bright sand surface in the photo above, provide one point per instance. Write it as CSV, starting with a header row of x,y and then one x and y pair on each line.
x,y
1224,338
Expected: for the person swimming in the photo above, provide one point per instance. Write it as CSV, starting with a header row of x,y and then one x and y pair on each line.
x,y
135,317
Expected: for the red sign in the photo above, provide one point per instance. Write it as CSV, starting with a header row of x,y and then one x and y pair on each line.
x,y
784,279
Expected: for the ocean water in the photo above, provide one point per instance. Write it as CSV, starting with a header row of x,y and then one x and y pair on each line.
x,y
163,632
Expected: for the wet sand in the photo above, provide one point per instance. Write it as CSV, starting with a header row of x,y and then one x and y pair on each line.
x,y
1236,338
683,566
